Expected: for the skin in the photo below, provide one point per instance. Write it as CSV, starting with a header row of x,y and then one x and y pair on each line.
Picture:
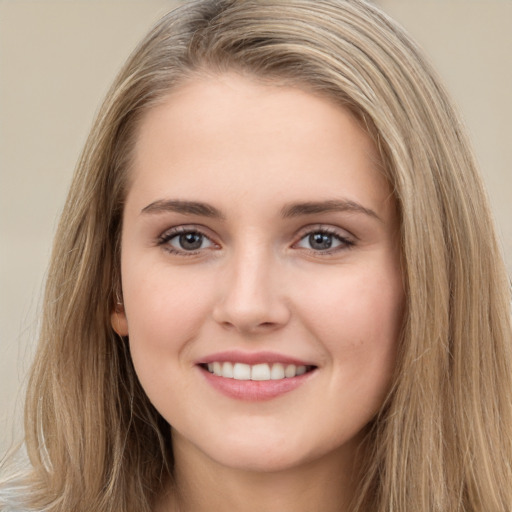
x,y
257,283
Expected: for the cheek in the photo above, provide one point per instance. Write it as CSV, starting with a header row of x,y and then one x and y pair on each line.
x,y
164,310
357,316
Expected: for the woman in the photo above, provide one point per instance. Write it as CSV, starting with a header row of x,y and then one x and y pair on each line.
x,y
275,278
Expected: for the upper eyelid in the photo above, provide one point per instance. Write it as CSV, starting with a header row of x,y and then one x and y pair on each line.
x,y
332,230
185,228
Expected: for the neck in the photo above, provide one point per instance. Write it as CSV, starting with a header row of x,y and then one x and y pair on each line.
x,y
202,485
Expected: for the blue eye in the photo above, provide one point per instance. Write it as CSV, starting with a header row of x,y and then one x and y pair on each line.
x,y
185,241
323,241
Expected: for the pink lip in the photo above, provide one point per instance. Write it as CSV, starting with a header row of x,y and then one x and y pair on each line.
x,y
250,390
253,390
234,356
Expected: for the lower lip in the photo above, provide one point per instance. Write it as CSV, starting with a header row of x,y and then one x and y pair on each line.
x,y
255,390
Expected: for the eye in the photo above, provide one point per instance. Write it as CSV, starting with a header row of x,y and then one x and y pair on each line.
x,y
184,240
324,240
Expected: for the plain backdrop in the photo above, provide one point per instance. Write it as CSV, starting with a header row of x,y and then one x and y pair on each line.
x,y
57,59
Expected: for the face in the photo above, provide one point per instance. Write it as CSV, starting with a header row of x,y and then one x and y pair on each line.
x,y
260,273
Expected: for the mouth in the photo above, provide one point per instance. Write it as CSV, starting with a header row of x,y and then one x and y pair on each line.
x,y
255,376
256,372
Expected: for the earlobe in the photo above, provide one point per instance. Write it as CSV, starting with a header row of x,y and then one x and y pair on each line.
x,y
118,321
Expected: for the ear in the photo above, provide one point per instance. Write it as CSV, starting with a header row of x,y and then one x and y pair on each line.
x,y
118,320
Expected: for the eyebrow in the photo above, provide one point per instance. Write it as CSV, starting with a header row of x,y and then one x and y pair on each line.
x,y
288,211
185,207
332,205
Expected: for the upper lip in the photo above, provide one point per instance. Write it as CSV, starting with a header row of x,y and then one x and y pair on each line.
x,y
252,358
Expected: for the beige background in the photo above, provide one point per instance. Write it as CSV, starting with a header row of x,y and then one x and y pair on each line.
x,y
57,59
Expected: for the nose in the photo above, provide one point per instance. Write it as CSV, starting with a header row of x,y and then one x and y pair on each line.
x,y
252,298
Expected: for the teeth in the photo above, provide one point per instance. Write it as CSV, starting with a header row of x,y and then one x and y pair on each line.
x,y
227,370
262,371
277,371
290,370
241,371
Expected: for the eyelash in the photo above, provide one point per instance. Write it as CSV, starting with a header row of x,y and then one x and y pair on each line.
x,y
165,238
345,243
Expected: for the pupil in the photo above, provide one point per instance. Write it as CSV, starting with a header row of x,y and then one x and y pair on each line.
x,y
320,241
191,241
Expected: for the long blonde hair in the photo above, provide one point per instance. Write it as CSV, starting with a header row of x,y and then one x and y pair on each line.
x,y
443,439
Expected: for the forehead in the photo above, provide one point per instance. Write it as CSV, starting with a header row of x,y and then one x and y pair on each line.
x,y
221,133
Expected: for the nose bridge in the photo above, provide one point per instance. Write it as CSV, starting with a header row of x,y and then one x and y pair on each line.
x,y
252,299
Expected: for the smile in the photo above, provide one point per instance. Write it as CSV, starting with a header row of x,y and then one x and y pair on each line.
x,y
255,376
256,372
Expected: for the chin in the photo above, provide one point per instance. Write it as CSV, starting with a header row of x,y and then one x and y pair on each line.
x,y
264,452
255,459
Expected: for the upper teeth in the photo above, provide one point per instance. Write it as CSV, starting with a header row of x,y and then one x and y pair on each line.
x,y
262,371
